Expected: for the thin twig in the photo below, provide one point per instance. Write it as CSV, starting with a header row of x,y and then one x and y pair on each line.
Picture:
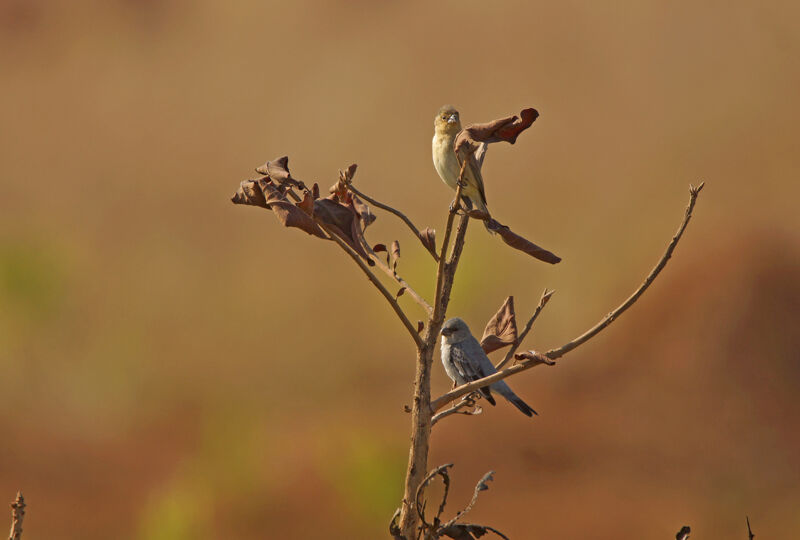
x,y
750,534
438,312
441,471
398,213
375,281
17,515
400,281
480,486
608,319
467,401
586,336
514,346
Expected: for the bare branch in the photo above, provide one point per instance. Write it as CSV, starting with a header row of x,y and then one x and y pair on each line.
x,y
750,534
421,410
683,534
375,281
607,320
542,302
441,471
481,486
400,281
17,515
399,214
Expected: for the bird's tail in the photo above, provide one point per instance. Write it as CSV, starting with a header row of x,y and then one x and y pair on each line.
x,y
504,390
480,205
522,406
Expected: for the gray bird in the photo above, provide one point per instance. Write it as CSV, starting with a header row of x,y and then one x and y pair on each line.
x,y
464,361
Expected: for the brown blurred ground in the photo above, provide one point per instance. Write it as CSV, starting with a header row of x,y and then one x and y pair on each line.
x,y
176,367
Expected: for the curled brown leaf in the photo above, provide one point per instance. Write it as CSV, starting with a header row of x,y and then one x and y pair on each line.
x,y
501,130
522,244
501,330
278,171
250,193
343,221
395,254
428,237
288,213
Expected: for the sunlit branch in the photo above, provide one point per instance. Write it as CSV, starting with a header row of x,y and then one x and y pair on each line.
x,y
375,281
586,336
514,346
398,213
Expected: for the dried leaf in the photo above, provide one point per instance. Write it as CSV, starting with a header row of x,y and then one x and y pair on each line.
x,y
343,221
518,242
428,237
250,193
501,330
478,214
420,326
395,254
349,172
364,212
400,293
378,248
537,357
501,130
307,204
278,171
289,214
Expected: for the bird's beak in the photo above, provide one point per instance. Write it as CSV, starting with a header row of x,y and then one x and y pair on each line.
x,y
446,331
452,119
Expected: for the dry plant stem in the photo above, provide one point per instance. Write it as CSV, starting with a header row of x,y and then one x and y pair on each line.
x,y
608,319
421,406
400,281
586,336
398,213
375,281
17,515
750,534
510,354
466,402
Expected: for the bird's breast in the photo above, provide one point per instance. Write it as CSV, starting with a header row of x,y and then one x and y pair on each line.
x,y
444,160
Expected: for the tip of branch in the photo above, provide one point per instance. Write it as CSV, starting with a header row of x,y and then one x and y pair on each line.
x,y
546,296
695,190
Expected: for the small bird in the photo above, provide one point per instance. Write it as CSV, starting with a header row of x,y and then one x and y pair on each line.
x,y
446,126
464,361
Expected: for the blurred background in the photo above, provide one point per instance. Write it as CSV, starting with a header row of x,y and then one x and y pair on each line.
x,y
174,366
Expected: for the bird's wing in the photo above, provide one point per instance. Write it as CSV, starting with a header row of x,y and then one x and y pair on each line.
x,y
475,171
482,364
463,362
468,365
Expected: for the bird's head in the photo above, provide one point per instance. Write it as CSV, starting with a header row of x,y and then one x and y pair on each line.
x,y
447,120
455,330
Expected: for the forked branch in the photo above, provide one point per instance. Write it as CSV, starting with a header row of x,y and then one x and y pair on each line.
x,y
430,249
549,356
378,285
514,346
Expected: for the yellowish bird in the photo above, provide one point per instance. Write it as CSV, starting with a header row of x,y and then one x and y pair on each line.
x,y
446,125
